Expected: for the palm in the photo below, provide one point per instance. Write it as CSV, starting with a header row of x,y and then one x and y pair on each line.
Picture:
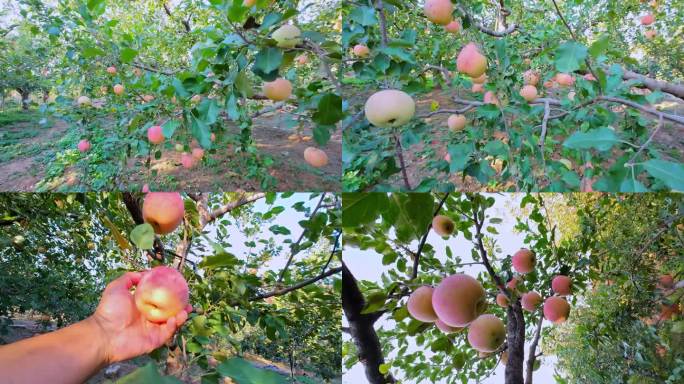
x,y
129,333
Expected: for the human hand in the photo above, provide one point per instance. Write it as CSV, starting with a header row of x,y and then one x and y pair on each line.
x,y
126,331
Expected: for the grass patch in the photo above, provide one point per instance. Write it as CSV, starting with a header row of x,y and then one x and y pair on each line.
x,y
16,116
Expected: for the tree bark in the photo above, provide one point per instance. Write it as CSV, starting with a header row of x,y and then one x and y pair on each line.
x,y
515,339
361,328
25,94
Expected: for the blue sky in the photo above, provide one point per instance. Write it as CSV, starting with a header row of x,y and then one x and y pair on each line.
x,y
367,265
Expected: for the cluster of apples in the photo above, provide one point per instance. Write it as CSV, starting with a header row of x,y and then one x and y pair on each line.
x,y
647,20
441,12
280,89
459,301
556,308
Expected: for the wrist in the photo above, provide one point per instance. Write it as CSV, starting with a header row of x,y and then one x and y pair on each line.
x,y
101,338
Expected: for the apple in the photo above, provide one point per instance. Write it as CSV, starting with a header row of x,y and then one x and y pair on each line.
x,y
155,134
179,148
84,145
302,59
438,11
111,70
389,108
528,92
453,27
187,160
84,101
118,89
287,36
162,293
647,19
198,153
565,79
470,61
315,157
249,3
278,90
163,211
456,122
361,50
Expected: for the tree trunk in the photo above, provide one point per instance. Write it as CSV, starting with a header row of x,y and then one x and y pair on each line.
x,y
361,328
24,99
515,338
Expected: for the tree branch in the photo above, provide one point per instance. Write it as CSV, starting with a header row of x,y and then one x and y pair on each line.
x,y
280,292
362,330
416,260
512,28
215,214
400,156
294,248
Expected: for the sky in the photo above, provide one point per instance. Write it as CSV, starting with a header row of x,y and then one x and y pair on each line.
x,y
289,218
367,265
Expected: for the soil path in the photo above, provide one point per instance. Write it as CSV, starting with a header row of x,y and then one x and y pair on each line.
x,y
224,170
23,172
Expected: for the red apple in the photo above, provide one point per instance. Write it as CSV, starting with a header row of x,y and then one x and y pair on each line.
x,y
161,294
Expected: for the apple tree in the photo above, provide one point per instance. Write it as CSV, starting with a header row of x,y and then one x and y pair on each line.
x,y
398,335
513,95
139,78
258,283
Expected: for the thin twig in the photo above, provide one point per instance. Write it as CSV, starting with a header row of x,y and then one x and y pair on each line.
x,y
630,163
400,155
416,259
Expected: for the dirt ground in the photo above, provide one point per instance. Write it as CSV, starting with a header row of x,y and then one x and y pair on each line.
x,y
669,140
221,171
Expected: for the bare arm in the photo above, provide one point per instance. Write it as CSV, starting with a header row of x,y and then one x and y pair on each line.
x,y
116,331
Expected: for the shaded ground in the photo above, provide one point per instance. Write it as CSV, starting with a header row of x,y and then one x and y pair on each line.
x,y
22,146
669,141
27,149
25,326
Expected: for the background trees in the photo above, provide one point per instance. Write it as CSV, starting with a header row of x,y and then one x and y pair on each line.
x,y
601,131
260,282
585,237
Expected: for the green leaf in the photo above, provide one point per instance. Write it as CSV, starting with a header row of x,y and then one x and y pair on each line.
x,y
143,236
364,16
672,174
415,214
220,259
148,374
599,46
460,155
243,372
268,59
569,55
362,208
279,230
329,110
170,127
602,139
632,185
127,55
